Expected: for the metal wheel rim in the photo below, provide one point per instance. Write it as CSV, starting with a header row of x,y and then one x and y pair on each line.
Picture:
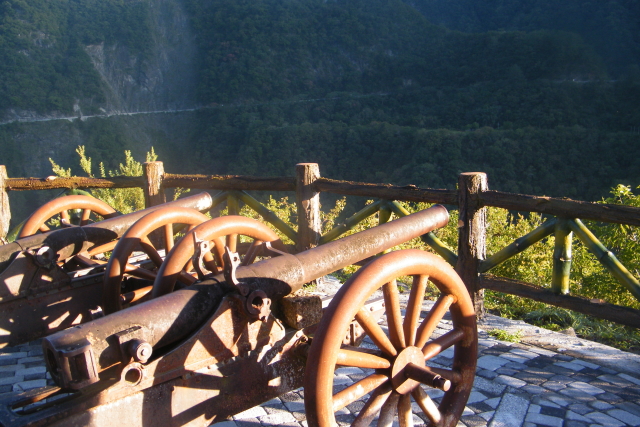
x,y
321,364
212,230
56,206
126,245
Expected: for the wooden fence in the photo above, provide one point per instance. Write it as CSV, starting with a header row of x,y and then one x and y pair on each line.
x,y
471,199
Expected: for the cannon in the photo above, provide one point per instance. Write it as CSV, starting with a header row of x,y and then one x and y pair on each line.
x,y
47,282
197,354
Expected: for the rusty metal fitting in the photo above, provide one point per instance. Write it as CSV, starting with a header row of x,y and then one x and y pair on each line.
x,y
140,350
258,306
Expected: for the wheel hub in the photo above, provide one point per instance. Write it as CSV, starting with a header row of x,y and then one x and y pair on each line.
x,y
401,382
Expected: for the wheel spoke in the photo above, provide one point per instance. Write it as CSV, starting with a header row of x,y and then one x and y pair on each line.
x,y
426,404
357,390
388,411
434,316
373,405
43,228
375,332
232,242
426,376
84,220
442,343
252,252
168,237
103,248
405,415
64,215
414,306
151,251
454,376
361,360
394,317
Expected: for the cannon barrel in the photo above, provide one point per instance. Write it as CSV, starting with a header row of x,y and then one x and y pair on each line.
x,y
71,241
75,357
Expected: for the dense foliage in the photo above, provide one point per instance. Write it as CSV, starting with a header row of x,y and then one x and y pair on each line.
x,y
43,64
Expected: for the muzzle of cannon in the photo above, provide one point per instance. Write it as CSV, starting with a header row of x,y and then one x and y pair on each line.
x,y
38,297
202,353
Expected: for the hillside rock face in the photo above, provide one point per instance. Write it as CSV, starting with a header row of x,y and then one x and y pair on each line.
x,y
163,80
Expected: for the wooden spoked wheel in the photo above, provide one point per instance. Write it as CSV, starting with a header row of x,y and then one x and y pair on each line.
x,y
400,363
137,237
222,231
73,210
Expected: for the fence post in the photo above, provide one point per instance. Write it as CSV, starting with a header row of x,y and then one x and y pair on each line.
x,y
5,211
472,234
153,190
308,203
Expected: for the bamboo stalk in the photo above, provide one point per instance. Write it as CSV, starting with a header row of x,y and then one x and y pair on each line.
x,y
430,238
562,258
268,215
351,222
233,207
519,245
606,257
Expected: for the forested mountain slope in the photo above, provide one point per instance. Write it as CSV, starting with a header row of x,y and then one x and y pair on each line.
x,y
378,90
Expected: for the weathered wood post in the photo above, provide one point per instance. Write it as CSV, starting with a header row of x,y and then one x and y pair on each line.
x,y
472,234
153,190
5,212
308,203
154,195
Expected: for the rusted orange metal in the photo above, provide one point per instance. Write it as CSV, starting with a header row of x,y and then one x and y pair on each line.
x,y
198,355
39,294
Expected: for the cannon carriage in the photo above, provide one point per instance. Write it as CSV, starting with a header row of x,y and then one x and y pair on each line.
x,y
202,336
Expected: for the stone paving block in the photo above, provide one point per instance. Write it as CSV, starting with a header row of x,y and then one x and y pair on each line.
x,y
616,380
31,359
587,388
545,420
277,419
295,406
580,408
493,402
534,409
511,411
587,364
610,398
634,380
544,402
571,415
349,371
560,400
226,424
507,371
533,389
10,380
524,353
572,366
571,423
488,386
625,417
604,419
33,370
514,357
510,381
517,366
487,415
552,411
28,385
476,396
492,363
473,421
255,412
486,373
633,408
553,385
11,368
577,395
542,351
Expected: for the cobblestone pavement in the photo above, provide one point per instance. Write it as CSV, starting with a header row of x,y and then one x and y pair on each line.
x,y
517,384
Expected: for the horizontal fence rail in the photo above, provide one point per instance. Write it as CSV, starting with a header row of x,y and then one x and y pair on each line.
x,y
473,196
